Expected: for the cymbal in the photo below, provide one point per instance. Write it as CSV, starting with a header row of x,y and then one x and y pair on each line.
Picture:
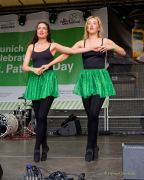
x,y
21,97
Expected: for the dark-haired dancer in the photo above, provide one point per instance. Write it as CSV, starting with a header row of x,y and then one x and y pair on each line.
x,y
42,87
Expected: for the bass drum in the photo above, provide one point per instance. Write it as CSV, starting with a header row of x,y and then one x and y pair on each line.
x,y
8,124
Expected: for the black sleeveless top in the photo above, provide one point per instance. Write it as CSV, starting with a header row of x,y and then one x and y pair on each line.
x,y
42,58
94,60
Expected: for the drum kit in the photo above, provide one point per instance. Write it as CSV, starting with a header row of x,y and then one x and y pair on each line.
x,y
19,123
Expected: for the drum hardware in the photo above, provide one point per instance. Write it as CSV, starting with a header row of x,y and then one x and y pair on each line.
x,y
19,122
25,120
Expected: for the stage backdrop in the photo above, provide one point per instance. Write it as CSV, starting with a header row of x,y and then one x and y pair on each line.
x,y
14,40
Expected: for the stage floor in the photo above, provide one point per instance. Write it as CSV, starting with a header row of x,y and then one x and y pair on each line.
x,y
66,154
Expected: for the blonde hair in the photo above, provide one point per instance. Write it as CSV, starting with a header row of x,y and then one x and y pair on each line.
x,y
100,32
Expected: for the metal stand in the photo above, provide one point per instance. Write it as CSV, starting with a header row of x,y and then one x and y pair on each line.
x,y
22,114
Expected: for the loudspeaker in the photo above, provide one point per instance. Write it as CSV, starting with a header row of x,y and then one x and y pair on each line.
x,y
133,161
1,172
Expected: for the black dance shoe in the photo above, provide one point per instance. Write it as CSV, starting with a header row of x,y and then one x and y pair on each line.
x,y
95,153
89,155
36,155
44,154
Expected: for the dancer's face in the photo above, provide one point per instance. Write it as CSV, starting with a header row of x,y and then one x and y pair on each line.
x,y
92,26
42,31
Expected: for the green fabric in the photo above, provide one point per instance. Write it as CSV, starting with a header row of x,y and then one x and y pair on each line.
x,y
94,82
42,86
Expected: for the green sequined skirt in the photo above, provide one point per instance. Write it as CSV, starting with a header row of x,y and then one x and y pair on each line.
x,y
94,82
41,86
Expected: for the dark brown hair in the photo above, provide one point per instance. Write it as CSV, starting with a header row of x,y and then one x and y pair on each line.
x,y
35,38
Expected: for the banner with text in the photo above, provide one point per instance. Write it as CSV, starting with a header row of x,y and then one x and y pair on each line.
x,y
14,39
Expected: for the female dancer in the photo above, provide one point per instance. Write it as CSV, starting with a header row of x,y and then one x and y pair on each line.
x,y
94,83
42,87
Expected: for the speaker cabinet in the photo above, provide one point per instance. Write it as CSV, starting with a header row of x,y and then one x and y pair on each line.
x,y
1,172
133,161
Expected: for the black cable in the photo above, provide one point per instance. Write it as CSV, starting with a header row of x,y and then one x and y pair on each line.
x,y
35,173
40,173
58,175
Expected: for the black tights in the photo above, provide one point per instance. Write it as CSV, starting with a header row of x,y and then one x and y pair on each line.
x,y
92,107
41,109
